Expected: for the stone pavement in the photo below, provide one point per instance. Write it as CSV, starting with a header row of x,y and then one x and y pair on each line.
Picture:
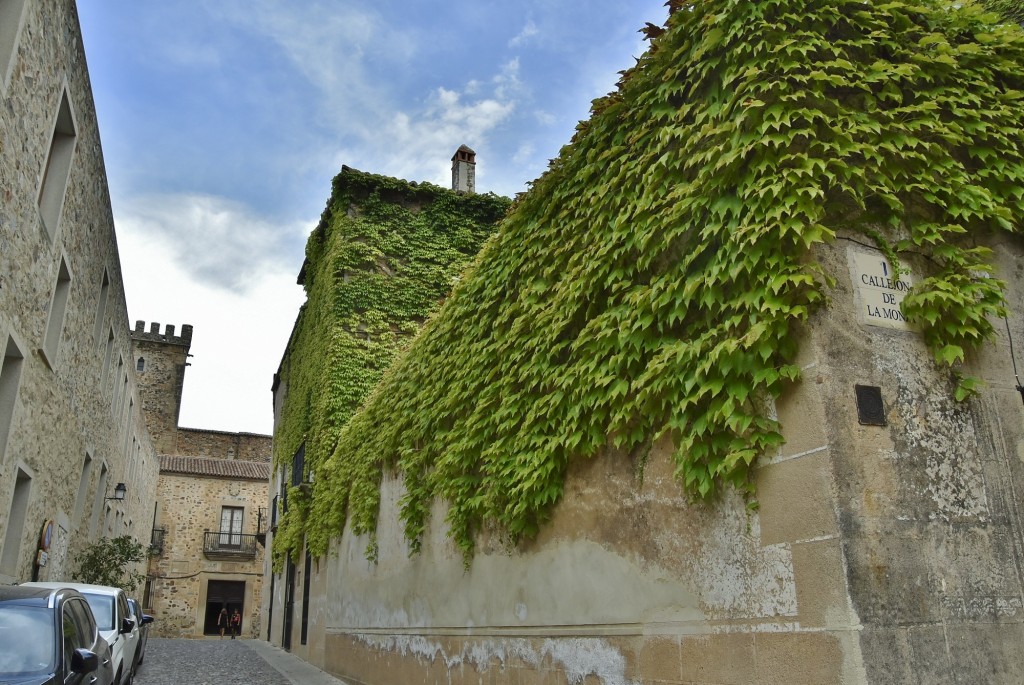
x,y
215,661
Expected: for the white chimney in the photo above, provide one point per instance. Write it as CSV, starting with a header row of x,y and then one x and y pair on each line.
x,y
464,170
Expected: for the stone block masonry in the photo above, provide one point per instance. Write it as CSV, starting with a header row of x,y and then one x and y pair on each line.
x,y
160,361
192,496
222,445
69,398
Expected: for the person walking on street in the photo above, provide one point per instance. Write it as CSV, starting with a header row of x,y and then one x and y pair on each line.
x,y
222,620
236,623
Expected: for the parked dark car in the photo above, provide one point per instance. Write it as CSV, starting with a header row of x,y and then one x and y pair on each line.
x,y
142,620
49,637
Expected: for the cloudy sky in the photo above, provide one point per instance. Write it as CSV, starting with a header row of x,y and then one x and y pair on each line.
x,y
223,122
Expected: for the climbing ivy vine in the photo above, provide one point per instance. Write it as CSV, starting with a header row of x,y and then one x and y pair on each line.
x,y
1009,9
384,255
654,280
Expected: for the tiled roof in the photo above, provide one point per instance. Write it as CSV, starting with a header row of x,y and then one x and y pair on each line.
x,y
221,468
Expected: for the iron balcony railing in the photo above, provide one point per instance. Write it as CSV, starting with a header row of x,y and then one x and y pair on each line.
x,y
156,541
223,545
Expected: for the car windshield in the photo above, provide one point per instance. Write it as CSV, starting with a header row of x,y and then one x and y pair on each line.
x,y
27,636
103,609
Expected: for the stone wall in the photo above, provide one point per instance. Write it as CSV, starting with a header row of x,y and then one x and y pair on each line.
x,y
221,445
928,506
189,506
876,553
69,401
164,358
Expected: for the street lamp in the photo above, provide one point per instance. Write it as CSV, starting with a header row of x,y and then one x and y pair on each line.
x,y
119,492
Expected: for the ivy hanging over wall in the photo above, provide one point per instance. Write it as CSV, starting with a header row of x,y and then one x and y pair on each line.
x,y
384,255
653,280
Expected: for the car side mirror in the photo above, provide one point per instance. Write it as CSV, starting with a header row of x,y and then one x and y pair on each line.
x,y
127,625
146,619
84,661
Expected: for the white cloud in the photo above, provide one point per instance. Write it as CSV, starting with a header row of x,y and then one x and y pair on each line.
x,y
544,118
524,153
330,44
507,83
218,241
239,336
529,31
417,144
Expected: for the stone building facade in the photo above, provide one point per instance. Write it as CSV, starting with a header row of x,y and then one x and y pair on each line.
x,y
223,445
70,425
210,556
209,509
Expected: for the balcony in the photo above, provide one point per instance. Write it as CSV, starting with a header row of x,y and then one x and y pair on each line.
x,y
261,532
229,546
156,541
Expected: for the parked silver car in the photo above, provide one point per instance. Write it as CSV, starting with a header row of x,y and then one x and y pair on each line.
x,y
142,620
110,607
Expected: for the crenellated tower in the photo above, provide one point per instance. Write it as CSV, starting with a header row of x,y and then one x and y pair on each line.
x,y
160,360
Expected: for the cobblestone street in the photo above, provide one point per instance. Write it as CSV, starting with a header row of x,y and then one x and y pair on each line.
x,y
224,662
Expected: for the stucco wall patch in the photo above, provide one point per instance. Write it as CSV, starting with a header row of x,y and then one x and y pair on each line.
x,y
577,657
934,427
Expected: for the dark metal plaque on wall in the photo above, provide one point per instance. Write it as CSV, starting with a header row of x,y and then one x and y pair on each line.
x,y
870,410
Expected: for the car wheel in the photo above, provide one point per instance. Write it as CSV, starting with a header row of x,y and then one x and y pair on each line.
x,y
131,677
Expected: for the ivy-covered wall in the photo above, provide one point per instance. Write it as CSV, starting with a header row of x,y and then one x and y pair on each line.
x,y
652,282
383,257
1010,9
645,381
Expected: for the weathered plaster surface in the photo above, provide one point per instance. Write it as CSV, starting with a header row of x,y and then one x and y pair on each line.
x,y
625,556
928,510
577,658
879,553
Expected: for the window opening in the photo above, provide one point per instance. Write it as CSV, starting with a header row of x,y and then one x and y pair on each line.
x,y
127,432
58,308
10,376
58,168
83,487
298,465
98,502
101,308
231,526
305,599
106,359
11,12
16,524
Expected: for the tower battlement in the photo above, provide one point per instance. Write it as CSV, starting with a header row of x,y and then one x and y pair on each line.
x,y
168,336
